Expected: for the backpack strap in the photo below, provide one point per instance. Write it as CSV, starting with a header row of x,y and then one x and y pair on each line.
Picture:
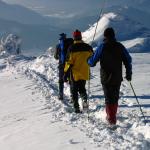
x,y
62,53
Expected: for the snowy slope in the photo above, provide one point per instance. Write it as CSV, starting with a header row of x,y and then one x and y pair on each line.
x,y
32,117
125,28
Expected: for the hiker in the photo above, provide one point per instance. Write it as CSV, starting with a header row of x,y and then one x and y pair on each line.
x,y
60,54
77,63
111,55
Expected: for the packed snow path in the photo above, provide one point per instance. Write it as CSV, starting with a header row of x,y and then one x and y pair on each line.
x,y
25,122
31,116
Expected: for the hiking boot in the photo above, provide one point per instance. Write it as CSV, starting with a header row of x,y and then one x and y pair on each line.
x,y
85,105
110,122
111,110
71,101
112,126
60,97
77,111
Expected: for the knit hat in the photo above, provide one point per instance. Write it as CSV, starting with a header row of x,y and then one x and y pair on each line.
x,y
109,33
62,35
77,35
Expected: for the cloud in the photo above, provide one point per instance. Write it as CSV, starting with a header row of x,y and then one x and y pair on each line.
x,y
61,15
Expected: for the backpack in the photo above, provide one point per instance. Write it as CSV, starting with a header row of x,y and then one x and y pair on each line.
x,y
64,45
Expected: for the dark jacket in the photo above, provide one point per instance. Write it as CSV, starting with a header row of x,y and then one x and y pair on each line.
x,y
79,52
111,55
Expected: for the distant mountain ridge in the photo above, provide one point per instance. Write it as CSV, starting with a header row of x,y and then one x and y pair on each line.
x,y
35,31
20,14
129,18
131,12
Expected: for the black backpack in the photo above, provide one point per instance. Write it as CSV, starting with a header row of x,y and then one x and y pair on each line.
x,y
67,43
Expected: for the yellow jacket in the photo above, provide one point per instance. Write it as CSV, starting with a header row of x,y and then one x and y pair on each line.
x,y
79,52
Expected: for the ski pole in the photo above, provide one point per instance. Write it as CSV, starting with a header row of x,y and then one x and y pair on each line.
x,y
101,12
137,102
88,95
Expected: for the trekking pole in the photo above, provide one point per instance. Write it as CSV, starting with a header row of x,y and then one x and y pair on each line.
x,y
88,96
101,12
92,42
137,102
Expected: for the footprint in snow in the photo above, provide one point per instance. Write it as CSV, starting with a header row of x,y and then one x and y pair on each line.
x,y
71,141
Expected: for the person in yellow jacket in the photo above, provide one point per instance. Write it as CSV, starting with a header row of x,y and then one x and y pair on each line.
x,y
79,52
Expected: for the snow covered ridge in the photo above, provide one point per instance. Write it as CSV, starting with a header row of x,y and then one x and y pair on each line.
x,y
137,45
133,34
131,132
102,25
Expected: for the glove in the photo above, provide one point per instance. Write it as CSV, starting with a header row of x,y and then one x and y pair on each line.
x,y
129,77
90,63
65,77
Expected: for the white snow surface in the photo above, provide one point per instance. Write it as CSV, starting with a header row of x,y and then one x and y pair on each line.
x,y
32,117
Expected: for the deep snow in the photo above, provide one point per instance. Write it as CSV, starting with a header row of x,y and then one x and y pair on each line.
x,y
31,116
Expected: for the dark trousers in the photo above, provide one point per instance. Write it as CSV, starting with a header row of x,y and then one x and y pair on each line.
x,y
78,87
111,94
61,81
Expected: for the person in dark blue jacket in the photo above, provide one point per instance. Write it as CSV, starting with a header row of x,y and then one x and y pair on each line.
x,y
60,54
111,55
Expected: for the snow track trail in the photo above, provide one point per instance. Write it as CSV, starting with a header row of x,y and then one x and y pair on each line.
x,y
44,111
